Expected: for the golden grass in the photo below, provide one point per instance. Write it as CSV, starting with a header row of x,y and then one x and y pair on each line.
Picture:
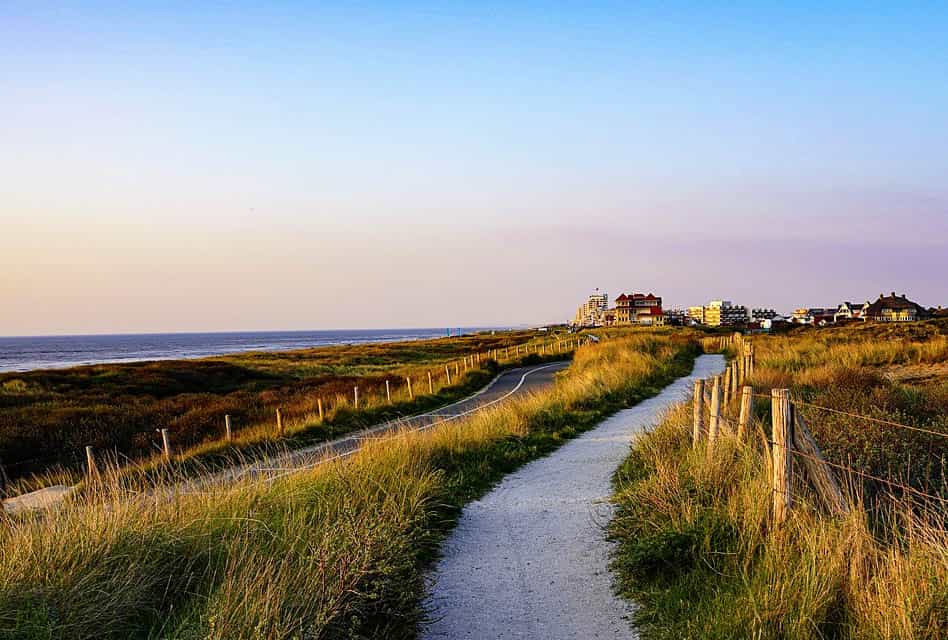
x,y
334,551
697,545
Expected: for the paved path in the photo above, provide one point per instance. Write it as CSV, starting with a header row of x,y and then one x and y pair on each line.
x,y
530,560
509,383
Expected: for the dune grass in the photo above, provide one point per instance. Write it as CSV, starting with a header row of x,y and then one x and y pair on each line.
x,y
48,417
697,548
333,552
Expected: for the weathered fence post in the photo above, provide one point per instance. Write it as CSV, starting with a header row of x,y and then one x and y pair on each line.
x,y
355,397
457,370
411,396
279,422
714,425
726,384
699,413
91,469
430,385
747,406
165,443
388,392
228,432
783,469
319,407
820,473
447,373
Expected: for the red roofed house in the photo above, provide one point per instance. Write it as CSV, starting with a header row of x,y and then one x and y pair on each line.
x,y
638,308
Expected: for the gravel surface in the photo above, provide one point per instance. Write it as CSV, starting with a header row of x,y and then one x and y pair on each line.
x,y
530,559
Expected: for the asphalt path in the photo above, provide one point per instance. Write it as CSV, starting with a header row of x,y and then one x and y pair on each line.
x,y
508,384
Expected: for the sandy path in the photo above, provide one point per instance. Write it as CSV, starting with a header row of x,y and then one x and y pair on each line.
x,y
530,559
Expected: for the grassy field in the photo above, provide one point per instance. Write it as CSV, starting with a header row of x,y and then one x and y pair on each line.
x,y
48,417
335,552
697,545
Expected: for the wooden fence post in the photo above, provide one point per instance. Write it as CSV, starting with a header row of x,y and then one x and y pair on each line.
x,y
411,396
91,469
430,385
457,370
747,406
279,422
228,432
319,406
714,425
698,431
726,386
165,443
388,392
447,373
820,473
783,469
355,397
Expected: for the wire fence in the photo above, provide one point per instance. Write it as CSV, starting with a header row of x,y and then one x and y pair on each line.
x,y
713,413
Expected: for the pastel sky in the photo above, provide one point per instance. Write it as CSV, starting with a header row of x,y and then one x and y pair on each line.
x,y
235,166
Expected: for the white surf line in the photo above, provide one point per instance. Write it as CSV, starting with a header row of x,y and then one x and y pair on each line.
x,y
290,470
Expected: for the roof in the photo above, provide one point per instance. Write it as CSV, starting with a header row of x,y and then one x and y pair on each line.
x,y
894,302
622,297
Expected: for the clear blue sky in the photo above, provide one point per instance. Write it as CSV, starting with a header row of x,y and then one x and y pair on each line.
x,y
239,166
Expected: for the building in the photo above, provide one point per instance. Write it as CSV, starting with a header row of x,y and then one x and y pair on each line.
x,y
850,311
813,315
638,308
722,313
592,312
696,315
677,317
893,308
756,315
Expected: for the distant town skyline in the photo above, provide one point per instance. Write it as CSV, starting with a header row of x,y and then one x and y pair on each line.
x,y
411,164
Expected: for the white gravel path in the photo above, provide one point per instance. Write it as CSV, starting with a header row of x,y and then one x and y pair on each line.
x,y
530,559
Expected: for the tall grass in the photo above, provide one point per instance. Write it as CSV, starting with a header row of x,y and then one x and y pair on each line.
x,y
698,552
696,544
335,551
48,417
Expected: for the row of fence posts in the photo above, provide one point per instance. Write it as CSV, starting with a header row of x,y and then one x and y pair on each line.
x,y
467,362
790,432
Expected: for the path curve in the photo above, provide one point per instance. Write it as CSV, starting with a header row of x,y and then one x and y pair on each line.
x,y
516,381
530,560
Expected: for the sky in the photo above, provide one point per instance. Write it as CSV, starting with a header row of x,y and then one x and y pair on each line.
x,y
183,166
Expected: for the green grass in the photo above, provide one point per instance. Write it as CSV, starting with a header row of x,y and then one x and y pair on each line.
x,y
48,417
696,545
336,552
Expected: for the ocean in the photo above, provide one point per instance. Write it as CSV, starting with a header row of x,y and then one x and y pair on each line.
x,y
56,352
